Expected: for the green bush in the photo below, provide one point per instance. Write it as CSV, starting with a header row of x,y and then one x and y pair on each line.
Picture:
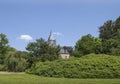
x,y
14,62
2,68
89,66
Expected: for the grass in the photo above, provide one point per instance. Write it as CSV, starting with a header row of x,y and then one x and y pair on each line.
x,y
33,79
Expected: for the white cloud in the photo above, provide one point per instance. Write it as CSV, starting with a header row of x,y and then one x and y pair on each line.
x,y
26,37
57,33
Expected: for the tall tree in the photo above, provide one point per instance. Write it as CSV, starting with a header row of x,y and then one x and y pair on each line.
x,y
16,61
3,47
40,50
107,30
88,44
110,35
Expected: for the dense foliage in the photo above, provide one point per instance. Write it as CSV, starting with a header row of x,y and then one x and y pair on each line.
x,y
16,61
107,43
90,66
42,51
3,47
110,35
86,45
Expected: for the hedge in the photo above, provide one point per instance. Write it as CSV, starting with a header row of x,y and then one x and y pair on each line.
x,y
89,66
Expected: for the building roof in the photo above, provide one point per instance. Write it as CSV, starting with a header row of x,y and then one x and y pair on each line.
x,y
51,38
64,51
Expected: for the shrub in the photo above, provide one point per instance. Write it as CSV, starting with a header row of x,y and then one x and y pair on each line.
x,y
2,68
89,66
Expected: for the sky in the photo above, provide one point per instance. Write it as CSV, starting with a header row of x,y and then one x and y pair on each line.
x,y
24,21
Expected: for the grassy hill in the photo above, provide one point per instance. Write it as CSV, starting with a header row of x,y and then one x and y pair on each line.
x,y
33,79
89,66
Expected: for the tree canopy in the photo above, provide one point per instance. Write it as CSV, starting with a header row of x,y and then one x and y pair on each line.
x,y
3,47
40,50
88,44
110,35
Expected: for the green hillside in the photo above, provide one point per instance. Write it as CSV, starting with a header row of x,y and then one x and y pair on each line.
x,y
89,66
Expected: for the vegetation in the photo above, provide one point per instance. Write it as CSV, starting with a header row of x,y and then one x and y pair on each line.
x,y
107,43
110,35
90,66
42,51
86,45
32,79
43,59
16,61
3,47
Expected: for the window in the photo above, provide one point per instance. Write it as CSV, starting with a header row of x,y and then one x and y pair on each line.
x,y
66,57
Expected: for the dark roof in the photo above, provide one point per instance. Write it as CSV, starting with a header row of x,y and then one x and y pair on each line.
x,y
64,51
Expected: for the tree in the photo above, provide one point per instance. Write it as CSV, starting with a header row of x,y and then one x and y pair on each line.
x,y
107,30
3,47
97,45
86,45
16,61
110,35
117,24
40,50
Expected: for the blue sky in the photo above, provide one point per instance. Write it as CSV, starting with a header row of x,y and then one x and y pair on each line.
x,y
69,20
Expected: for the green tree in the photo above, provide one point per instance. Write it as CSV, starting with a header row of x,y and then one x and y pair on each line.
x,y
3,47
40,50
117,24
110,35
107,30
16,61
86,45
97,45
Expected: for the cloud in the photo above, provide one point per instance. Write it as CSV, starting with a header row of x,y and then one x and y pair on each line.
x,y
26,37
57,33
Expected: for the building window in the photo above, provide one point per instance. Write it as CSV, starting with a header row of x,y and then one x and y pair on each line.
x,y
65,57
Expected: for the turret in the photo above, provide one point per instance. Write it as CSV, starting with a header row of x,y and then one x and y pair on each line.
x,y
51,40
